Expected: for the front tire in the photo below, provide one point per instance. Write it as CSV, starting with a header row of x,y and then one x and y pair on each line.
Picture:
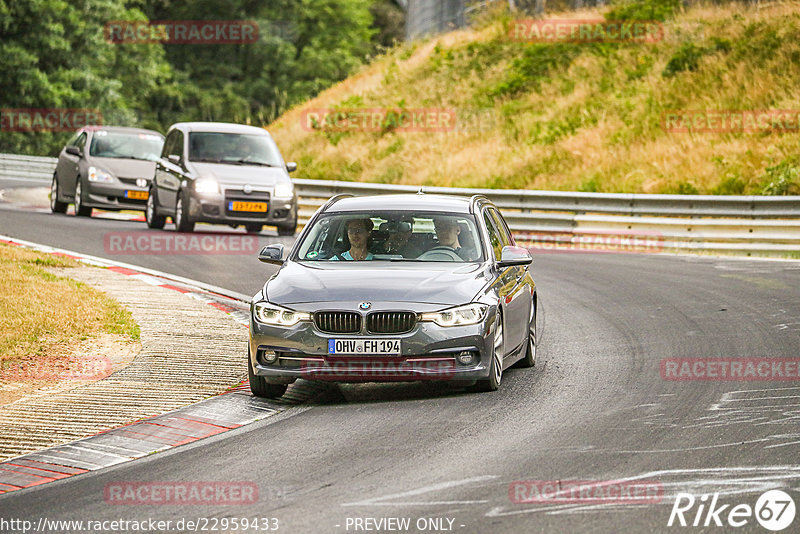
x,y
56,206
80,209
496,369
259,385
287,231
151,216
182,222
529,360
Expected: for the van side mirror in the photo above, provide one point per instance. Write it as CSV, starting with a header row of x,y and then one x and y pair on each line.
x,y
174,158
291,166
272,254
74,151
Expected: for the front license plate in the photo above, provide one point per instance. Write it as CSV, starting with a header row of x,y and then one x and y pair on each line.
x,y
364,346
247,206
136,195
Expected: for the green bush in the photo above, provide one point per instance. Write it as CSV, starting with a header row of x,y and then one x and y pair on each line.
x,y
783,178
660,10
687,57
534,66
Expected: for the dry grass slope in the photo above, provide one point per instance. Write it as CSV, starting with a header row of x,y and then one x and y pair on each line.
x,y
579,117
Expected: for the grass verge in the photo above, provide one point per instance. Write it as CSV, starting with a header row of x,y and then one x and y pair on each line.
x,y
41,314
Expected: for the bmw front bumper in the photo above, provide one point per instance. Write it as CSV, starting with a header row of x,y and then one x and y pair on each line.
x,y
427,352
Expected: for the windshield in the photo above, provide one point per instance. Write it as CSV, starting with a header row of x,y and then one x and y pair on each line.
x,y
230,148
392,236
126,145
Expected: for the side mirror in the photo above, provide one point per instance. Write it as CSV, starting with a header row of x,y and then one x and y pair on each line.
x,y
73,150
291,166
272,254
511,255
174,158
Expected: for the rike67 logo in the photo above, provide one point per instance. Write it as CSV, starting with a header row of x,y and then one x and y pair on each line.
x,y
774,510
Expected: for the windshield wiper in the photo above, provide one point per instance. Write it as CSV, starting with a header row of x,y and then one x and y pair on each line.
x,y
206,160
245,161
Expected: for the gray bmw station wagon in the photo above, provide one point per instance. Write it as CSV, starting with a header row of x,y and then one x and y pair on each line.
x,y
395,288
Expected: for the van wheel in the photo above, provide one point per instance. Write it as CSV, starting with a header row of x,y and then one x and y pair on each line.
x,y
182,222
151,216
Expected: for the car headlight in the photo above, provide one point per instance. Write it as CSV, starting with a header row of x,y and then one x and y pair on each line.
x,y
97,175
284,190
206,185
277,315
458,316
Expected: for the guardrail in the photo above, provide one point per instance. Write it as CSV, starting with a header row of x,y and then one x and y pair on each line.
x,y
757,225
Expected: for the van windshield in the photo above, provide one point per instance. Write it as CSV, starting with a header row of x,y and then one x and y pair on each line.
x,y
234,149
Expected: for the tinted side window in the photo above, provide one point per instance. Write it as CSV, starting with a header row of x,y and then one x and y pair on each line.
x,y
178,149
173,146
505,233
168,143
494,234
81,142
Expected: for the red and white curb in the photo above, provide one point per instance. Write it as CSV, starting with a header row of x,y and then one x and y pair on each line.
x,y
216,415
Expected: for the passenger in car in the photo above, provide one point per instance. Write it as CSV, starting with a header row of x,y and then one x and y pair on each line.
x,y
399,239
358,233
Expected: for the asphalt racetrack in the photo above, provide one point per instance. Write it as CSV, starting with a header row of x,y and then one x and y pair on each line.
x,y
596,408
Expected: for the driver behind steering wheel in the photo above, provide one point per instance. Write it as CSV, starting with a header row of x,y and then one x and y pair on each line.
x,y
447,231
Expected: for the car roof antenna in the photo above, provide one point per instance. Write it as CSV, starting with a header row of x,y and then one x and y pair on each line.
x,y
420,192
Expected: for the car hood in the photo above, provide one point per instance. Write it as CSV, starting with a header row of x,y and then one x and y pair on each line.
x,y
126,168
431,283
240,174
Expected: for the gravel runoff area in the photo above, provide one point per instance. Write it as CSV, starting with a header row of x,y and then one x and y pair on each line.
x,y
190,351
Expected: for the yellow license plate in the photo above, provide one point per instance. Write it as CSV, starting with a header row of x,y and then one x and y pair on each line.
x,y
136,195
247,206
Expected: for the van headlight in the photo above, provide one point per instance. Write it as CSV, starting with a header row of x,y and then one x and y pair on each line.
x,y
206,185
277,315
458,316
284,190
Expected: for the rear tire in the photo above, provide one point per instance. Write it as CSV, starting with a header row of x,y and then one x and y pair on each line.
x,y
496,369
151,216
56,206
182,222
80,209
259,385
